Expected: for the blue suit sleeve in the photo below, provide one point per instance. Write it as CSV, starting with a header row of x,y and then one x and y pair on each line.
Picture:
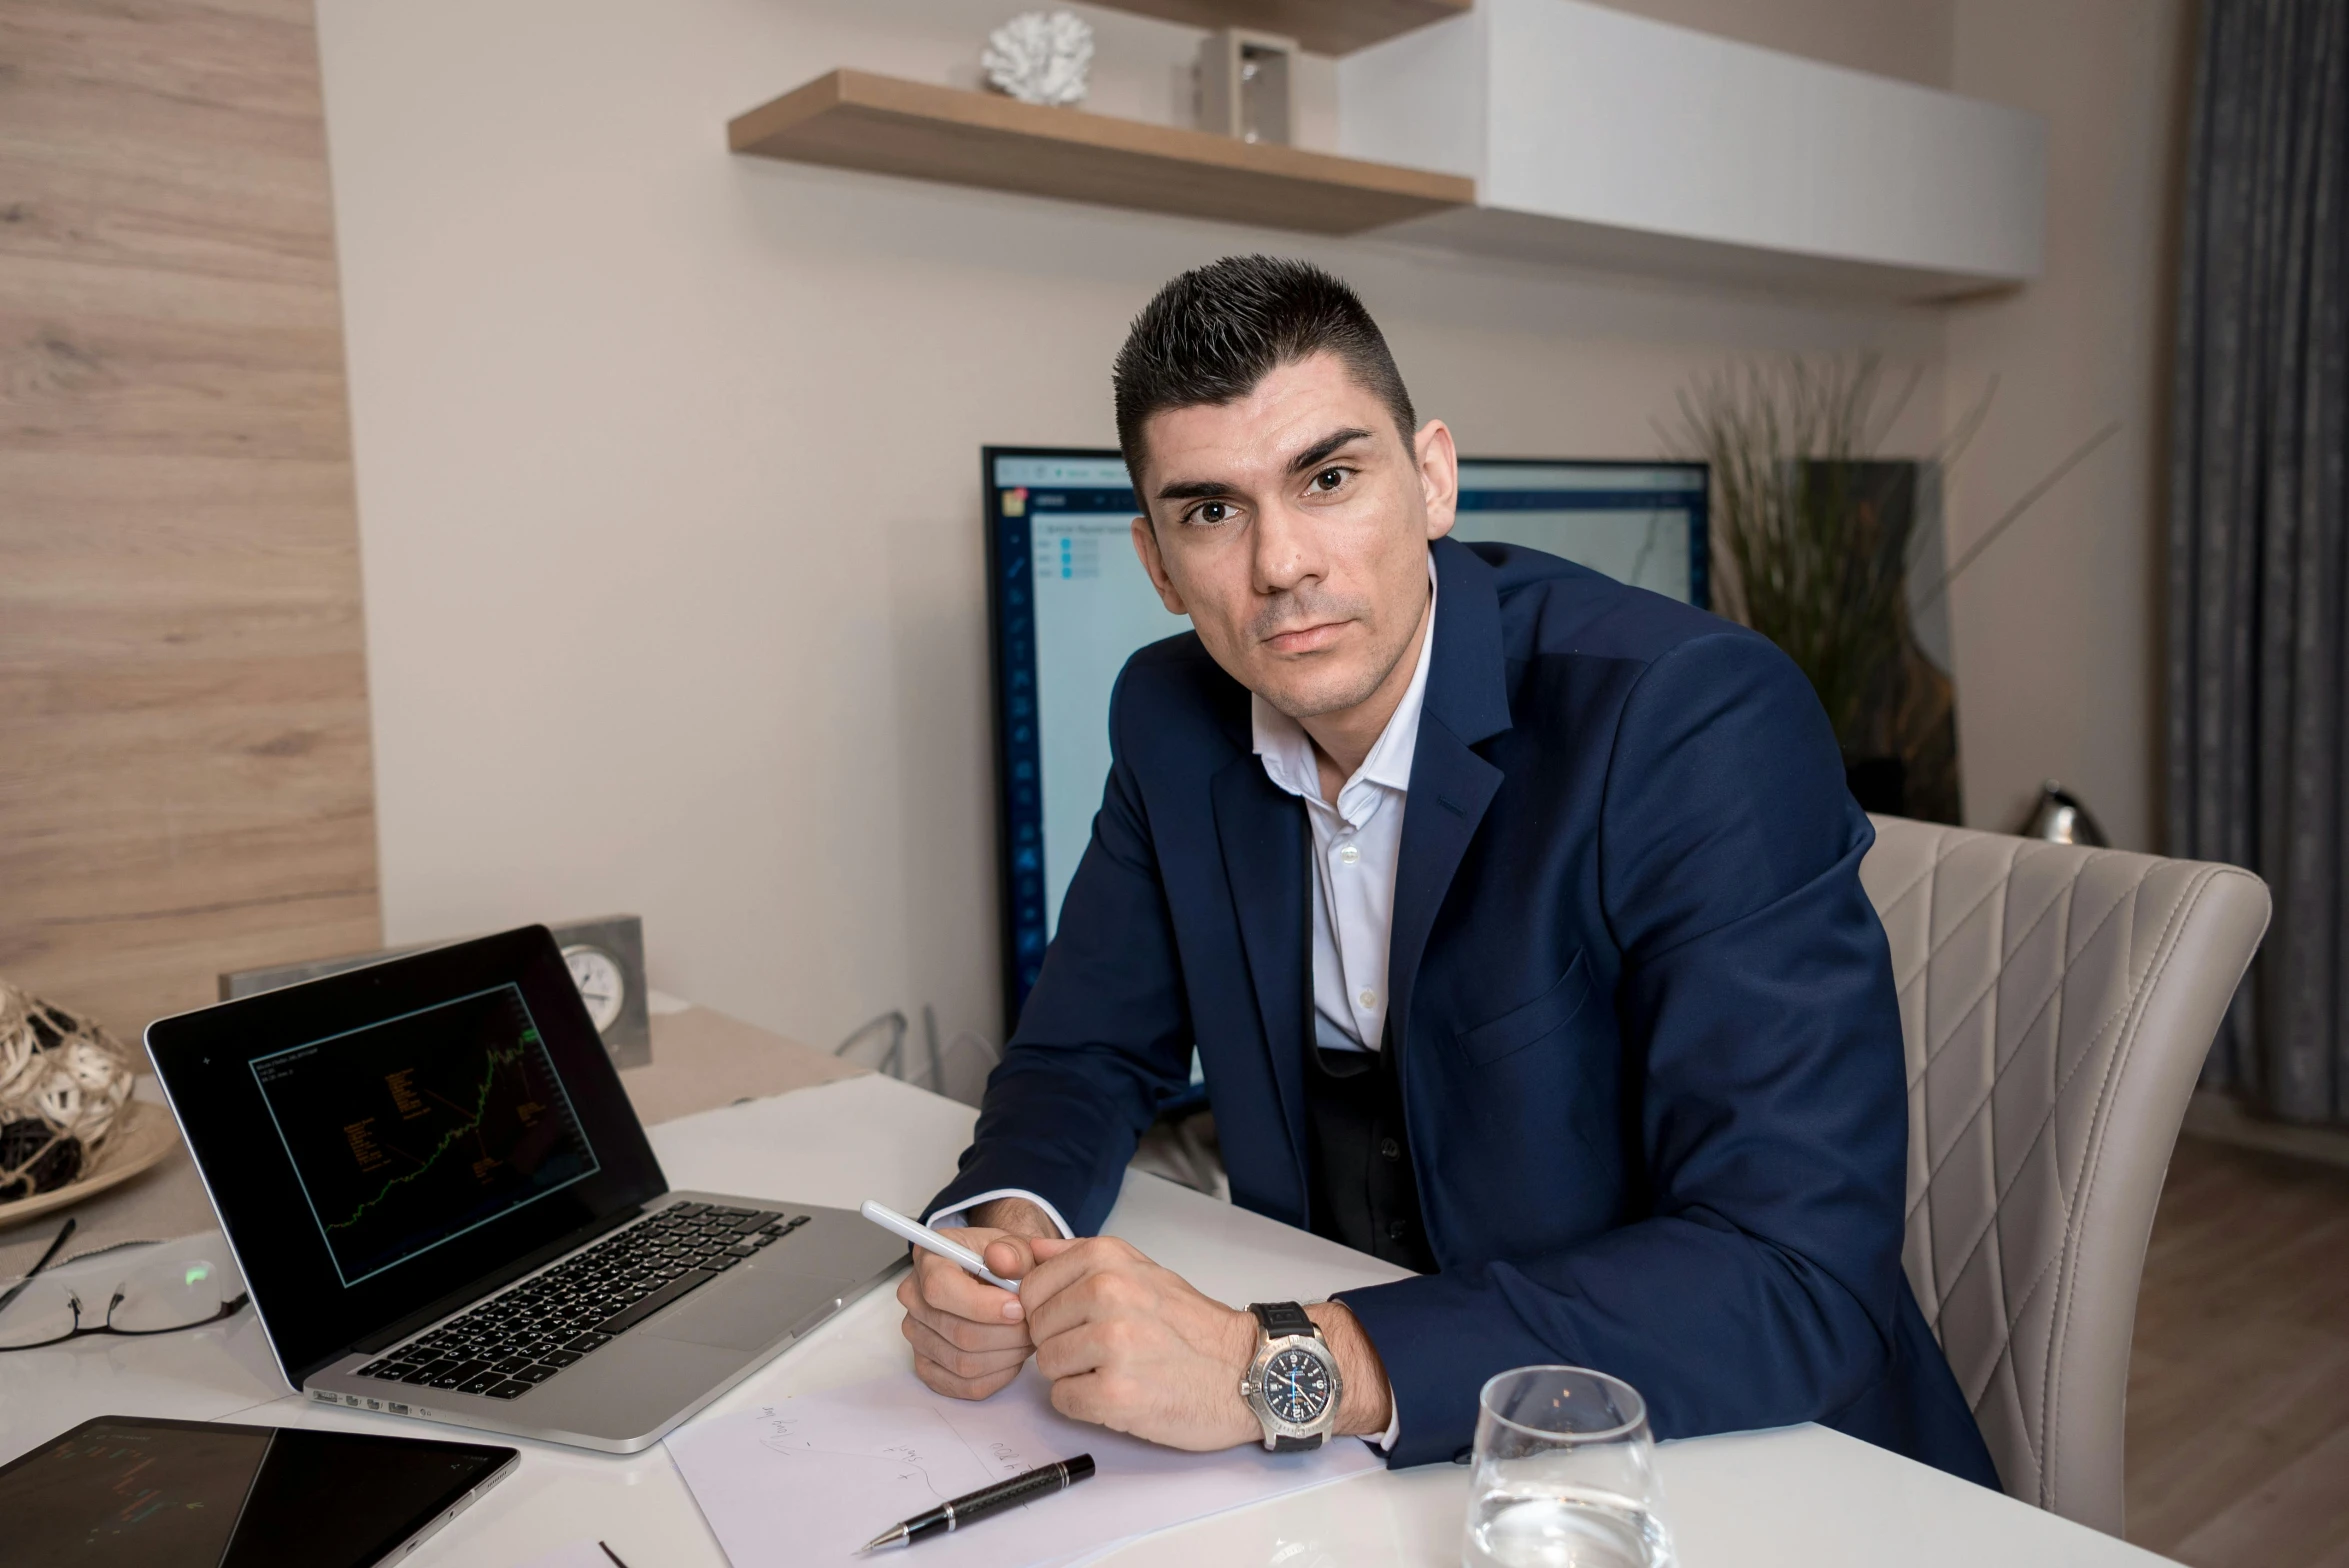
x,y
1105,1036
1758,1283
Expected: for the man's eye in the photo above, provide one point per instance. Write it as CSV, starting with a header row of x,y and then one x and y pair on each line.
x,y
1212,512
1329,479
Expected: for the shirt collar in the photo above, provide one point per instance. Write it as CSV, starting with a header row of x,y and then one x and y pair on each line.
x,y
1288,751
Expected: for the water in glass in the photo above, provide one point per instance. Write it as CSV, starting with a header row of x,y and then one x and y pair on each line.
x,y
1562,1529
1565,1475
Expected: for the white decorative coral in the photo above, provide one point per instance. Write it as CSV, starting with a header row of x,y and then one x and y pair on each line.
x,y
1040,57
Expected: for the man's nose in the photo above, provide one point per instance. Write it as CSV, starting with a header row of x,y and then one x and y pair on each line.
x,y
1287,549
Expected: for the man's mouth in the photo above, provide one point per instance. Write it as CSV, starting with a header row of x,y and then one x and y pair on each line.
x,y
1306,639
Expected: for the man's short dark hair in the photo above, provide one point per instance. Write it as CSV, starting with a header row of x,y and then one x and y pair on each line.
x,y
1212,334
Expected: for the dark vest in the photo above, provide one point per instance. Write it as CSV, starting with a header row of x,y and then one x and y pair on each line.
x,y
1360,1189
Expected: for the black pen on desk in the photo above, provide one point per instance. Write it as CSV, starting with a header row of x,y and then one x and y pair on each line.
x,y
986,1500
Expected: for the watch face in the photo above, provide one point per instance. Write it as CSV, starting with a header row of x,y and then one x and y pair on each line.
x,y
1296,1387
601,985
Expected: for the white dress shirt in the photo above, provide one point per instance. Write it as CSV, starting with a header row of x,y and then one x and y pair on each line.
x,y
1356,842
1355,847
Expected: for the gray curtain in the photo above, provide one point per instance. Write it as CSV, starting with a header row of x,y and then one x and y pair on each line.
x,y
2258,673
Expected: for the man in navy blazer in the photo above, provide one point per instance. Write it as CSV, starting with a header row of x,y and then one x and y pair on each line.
x,y
1613,1060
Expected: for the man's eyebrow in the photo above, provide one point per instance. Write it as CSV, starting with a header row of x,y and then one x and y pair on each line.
x,y
1210,489
1195,490
1324,448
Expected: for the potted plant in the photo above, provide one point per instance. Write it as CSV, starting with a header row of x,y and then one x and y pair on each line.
x,y
1814,537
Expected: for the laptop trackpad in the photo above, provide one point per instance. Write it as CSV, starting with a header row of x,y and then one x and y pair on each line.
x,y
748,1319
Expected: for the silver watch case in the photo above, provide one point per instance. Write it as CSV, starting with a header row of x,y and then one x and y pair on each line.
x,y
1252,1385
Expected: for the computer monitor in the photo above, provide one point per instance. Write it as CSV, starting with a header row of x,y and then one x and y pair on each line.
x,y
1068,604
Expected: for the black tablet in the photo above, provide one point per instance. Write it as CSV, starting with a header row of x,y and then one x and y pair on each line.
x,y
135,1490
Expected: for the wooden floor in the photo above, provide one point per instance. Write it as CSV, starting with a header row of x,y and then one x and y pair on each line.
x,y
2238,1436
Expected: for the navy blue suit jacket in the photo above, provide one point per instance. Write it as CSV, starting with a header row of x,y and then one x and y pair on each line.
x,y
1647,1034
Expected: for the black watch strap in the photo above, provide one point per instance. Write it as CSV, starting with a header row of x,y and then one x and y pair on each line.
x,y
1282,1317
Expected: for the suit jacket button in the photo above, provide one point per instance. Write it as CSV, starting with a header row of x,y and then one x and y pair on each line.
x,y
1390,1148
1396,1230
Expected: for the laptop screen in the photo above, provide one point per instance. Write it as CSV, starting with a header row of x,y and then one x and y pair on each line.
x,y
381,1140
410,1133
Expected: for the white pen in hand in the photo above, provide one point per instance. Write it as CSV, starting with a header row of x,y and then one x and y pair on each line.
x,y
929,1240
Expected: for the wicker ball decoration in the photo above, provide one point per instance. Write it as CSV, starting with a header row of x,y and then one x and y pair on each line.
x,y
63,1081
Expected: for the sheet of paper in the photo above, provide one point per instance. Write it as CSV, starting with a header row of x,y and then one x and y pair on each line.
x,y
579,1554
807,1481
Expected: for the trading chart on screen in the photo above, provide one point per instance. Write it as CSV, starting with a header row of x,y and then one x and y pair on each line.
x,y
408,1133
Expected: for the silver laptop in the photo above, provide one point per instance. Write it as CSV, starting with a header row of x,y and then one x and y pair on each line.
x,y
444,1206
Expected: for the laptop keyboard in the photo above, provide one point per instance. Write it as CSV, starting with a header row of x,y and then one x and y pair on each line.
x,y
518,1339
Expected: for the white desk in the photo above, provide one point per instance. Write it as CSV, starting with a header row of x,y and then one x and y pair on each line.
x,y
1803,1495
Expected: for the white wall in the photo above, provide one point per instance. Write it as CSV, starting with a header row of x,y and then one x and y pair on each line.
x,y
2057,624
667,466
1909,39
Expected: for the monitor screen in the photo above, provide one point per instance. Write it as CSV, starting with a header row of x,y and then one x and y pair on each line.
x,y
1069,604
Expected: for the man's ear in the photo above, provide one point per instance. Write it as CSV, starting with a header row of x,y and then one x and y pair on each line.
x,y
1439,476
1146,547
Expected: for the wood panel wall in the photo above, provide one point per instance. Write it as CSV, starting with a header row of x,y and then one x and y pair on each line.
x,y
185,780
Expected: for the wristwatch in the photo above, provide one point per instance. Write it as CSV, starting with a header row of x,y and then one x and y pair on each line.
x,y
1292,1387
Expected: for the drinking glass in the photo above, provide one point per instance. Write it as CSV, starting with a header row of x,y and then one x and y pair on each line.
x,y
1565,1475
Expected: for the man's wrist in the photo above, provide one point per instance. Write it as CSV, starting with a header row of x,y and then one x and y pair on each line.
x,y
1240,1355
1018,1216
1367,1405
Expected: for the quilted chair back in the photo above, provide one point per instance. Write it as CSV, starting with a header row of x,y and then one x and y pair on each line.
x,y
2056,1004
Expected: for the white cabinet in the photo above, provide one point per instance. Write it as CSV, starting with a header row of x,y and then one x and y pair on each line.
x,y
1609,140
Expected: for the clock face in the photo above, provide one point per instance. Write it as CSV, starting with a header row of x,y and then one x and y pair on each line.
x,y
601,985
1296,1387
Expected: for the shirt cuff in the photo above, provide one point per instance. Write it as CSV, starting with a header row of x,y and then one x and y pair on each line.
x,y
952,1219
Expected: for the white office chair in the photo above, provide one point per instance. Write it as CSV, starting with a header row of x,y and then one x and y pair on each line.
x,y
2056,1004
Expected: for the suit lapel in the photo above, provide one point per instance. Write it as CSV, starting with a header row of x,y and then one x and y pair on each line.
x,y
1261,830
1467,701
1450,788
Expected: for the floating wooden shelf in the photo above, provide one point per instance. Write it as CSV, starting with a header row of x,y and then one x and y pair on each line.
x,y
1323,26
855,120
